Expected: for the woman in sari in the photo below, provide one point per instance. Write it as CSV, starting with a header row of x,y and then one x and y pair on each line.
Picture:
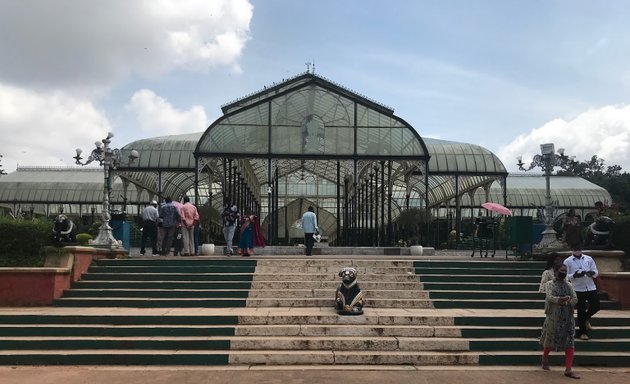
x,y
558,331
250,235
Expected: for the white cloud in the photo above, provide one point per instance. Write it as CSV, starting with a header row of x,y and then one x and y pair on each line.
x,y
604,132
45,128
90,44
158,117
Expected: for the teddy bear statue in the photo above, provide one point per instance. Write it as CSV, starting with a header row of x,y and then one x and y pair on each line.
x,y
349,298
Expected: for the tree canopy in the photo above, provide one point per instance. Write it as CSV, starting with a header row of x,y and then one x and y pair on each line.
x,y
616,182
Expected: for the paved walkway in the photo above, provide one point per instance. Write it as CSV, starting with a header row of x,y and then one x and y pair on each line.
x,y
285,375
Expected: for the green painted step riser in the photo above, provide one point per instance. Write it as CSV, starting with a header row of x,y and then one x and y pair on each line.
x,y
113,332
208,345
480,287
599,334
463,271
150,303
494,295
480,264
478,279
522,321
533,345
556,360
159,294
178,262
114,359
163,277
172,269
119,320
158,285
505,304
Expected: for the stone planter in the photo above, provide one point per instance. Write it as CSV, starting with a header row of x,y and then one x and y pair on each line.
x,y
416,250
207,249
25,286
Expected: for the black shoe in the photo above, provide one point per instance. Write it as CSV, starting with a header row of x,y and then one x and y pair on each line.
x,y
142,252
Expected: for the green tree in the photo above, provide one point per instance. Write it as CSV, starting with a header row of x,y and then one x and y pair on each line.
x,y
616,182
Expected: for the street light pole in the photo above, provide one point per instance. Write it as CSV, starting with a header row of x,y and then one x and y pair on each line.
x,y
110,159
547,160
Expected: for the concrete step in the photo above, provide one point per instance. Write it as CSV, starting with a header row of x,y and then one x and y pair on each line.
x,y
206,357
363,330
332,264
324,269
504,304
471,286
94,284
330,301
145,302
207,277
354,357
158,293
196,269
454,271
295,292
333,277
365,285
476,263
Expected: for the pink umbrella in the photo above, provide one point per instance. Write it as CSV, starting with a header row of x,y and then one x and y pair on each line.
x,y
496,207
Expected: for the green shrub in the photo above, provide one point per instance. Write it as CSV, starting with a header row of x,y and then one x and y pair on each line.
x,y
22,241
84,238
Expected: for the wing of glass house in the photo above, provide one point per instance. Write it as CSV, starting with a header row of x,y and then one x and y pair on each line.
x,y
304,141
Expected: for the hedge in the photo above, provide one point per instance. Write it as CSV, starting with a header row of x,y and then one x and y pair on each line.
x,y
23,242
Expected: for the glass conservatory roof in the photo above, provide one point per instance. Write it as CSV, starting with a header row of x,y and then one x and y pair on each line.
x,y
59,185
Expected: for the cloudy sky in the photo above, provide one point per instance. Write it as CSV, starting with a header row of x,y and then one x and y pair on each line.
x,y
505,74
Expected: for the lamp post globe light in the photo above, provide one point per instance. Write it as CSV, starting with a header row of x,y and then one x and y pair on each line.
x,y
547,160
109,159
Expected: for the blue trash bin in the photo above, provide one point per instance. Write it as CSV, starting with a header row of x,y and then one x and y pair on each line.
x,y
120,230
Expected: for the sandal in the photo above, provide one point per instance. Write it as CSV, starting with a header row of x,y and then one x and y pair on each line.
x,y
545,364
572,375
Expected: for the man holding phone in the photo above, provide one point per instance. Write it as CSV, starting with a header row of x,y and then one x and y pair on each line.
x,y
581,270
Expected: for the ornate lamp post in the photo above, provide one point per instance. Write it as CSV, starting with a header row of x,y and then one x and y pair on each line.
x,y
110,159
547,160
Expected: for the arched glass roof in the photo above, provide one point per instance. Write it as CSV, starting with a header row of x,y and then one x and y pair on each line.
x,y
309,116
39,185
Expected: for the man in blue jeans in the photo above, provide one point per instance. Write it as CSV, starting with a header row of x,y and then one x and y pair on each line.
x,y
309,225
230,220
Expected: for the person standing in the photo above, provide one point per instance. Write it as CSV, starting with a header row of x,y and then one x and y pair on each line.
x,y
582,270
150,216
230,216
572,227
170,219
190,216
558,328
246,234
309,225
549,273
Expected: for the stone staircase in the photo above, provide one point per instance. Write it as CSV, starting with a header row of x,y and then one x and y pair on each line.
x,y
278,311
487,284
312,283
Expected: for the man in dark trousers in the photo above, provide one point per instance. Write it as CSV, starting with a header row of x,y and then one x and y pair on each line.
x,y
309,225
581,270
150,217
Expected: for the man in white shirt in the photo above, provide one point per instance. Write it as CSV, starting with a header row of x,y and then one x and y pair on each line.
x,y
150,217
309,225
581,270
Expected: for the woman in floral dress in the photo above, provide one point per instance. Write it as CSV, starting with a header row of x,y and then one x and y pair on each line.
x,y
558,331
